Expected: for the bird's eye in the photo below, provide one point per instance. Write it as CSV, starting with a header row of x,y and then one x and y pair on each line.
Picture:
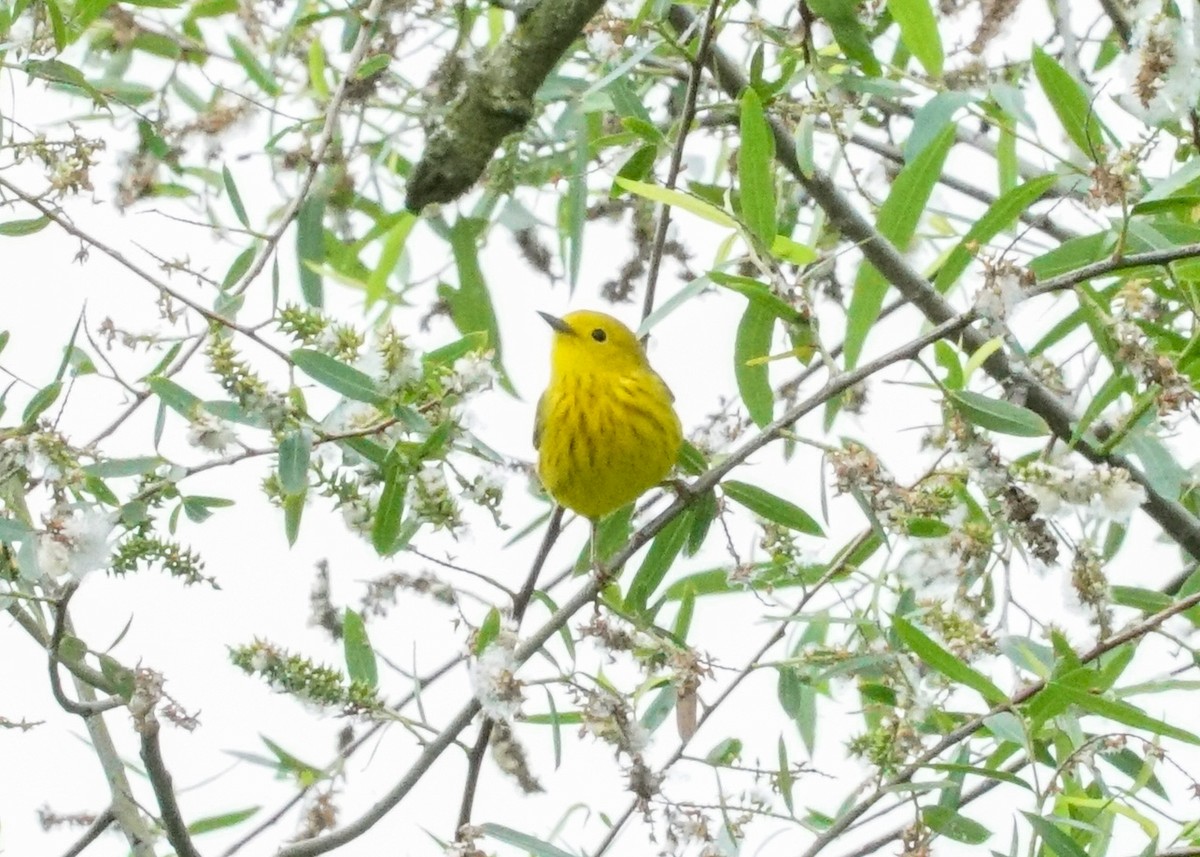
x,y
599,335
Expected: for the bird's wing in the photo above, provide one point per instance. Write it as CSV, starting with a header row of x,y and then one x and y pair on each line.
x,y
539,421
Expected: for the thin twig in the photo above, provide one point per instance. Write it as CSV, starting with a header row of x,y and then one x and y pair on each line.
x,y
103,821
520,604
1174,519
587,593
342,755
328,128
164,790
1107,267
973,725
685,123
64,223
83,709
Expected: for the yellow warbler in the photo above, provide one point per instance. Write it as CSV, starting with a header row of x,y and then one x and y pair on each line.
x,y
606,430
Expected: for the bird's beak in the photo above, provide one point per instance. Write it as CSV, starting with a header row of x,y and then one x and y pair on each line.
x,y
558,324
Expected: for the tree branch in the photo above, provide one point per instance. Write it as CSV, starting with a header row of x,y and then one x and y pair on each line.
x,y
1175,520
695,73
496,100
520,604
164,790
101,824
976,723
586,594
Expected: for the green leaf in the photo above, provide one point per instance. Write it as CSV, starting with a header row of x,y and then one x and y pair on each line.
x,y
386,527
1058,841
239,267
337,376
13,531
636,168
389,256
756,178
310,249
759,293
1000,216
293,509
919,31
954,826
220,822
471,303
360,657
40,401
59,72
255,70
753,341
765,504
842,18
574,203
235,198
1121,712
663,551
1072,104
997,415
294,452
112,468
678,199
16,228
925,648
897,222
524,841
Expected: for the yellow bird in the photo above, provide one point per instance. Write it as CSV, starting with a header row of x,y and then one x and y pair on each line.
x,y
606,429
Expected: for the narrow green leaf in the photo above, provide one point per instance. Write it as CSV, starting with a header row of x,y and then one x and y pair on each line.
x,y
897,222
389,257
293,509
113,468
954,826
220,822
678,199
17,228
759,293
360,657
851,36
928,650
753,341
1072,104
471,303
765,504
918,30
575,201
1058,841
1000,216
239,267
310,246
386,526
756,178
337,376
59,72
1122,712
663,551
235,198
998,415
524,841
255,70
40,401
294,452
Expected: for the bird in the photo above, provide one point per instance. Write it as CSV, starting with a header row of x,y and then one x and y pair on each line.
x,y
606,430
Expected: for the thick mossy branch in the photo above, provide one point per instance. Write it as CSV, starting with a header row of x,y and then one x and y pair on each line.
x,y
496,100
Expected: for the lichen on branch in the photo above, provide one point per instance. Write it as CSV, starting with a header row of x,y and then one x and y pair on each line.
x,y
496,100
